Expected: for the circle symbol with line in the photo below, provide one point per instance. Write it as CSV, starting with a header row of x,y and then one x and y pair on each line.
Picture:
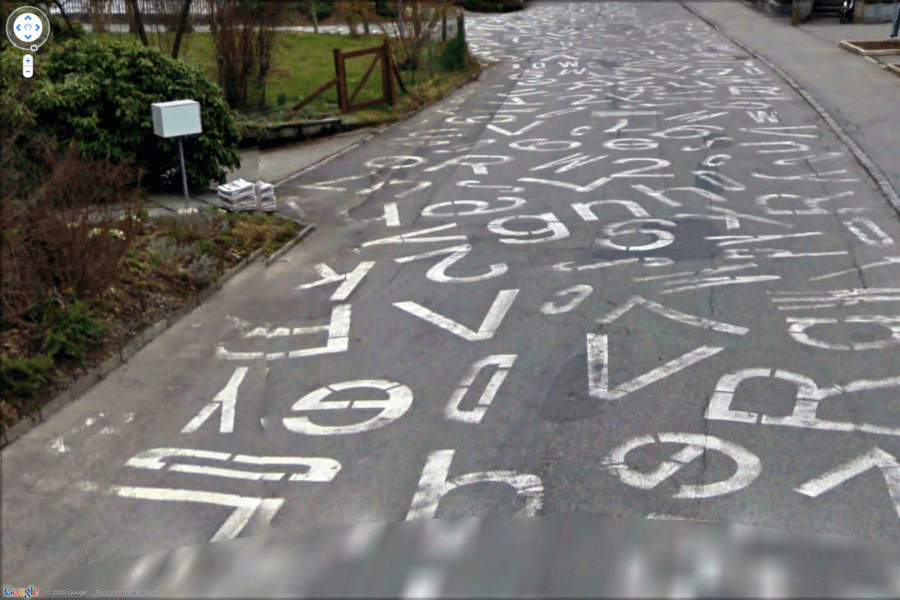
x,y
695,445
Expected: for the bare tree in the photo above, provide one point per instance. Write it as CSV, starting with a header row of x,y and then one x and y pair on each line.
x,y
183,20
269,16
315,16
244,35
65,17
138,21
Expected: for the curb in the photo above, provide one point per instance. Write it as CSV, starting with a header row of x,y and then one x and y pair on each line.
x,y
379,128
96,374
304,233
874,172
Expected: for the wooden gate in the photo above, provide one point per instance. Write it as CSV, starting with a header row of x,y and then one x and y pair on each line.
x,y
389,95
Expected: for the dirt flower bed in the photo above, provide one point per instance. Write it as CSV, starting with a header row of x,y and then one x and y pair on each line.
x,y
169,262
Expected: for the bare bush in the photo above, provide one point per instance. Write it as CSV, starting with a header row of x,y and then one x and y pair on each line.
x,y
70,233
244,34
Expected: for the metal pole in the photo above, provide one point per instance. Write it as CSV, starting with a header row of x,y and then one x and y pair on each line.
x,y
896,30
183,172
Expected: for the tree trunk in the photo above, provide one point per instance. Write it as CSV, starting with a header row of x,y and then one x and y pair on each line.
x,y
364,13
64,15
315,17
182,26
139,22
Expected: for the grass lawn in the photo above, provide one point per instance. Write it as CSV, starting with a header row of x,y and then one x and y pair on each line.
x,y
301,63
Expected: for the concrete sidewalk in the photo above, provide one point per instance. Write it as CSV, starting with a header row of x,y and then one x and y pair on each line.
x,y
271,166
861,97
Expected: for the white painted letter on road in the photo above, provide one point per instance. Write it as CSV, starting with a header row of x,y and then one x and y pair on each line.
x,y
748,464
504,362
433,485
392,408
876,458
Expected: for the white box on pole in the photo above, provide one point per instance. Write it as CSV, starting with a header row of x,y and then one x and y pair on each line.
x,y
176,118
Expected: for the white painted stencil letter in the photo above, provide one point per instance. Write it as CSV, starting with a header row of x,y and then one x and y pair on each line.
x,y
858,227
876,458
598,350
226,400
585,209
481,207
419,237
554,227
799,326
748,464
580,292
504,363
392,408
806,404
434,485
438,272
395,162
663,237
479,163
488,327
338,331
349,281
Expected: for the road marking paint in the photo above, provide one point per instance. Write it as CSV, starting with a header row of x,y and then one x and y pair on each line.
x,y
889,260
397,403
433,485
349,281
798,327
504,362
808,397
567,265
509,133
438,272
482,207
554,227
338,331
876,458
226,400
581,292
488,326
418,237
858,224
733,240
584,208
748,464
244,506
833,298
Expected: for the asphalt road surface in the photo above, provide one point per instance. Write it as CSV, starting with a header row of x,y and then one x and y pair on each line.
x,y
629,272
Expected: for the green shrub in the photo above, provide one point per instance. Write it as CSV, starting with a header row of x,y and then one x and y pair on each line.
x,y
100,95
384,9
69,331
324,9
23,376
453,56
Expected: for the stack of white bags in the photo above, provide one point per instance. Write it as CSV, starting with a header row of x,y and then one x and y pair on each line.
x,y
265,196
241,195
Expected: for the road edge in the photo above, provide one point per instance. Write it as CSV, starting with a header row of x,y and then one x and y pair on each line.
x,y
95,375
379,129
872,170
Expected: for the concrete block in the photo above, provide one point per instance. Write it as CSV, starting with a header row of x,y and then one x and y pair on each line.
x,y
206,293
109,365
83,384
18,430
182,312
62,399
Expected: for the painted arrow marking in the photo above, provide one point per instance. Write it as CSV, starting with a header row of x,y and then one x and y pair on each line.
x,y
876,458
